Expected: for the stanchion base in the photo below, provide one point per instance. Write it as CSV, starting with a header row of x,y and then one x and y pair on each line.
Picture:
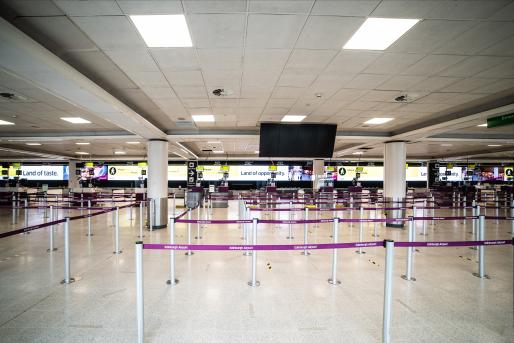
x,y
473,248
50,250
72,279
247,253
289,237
26,233
189,253
89,234
478,276
256,284
360,252
305,253
375,235
405,278
175,281
117,252
140,237
196,237
423,234
335,283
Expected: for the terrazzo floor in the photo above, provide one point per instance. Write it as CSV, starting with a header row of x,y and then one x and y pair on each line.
x,y
213,303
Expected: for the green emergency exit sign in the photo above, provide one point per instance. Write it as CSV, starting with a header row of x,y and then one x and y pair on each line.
x,y
504,119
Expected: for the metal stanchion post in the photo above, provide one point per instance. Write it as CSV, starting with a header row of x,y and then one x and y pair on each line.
x,y
117,232
351,211
424,222
512,217
172,280
141,220
361,229
51,233
481,256
189,252
408,272
130,208
465,210
26,214
198,236
388,290
14,210
497,205
333,280
305,232
139,293
89,229
473,213
67,278
253,282
290,225
375,234
81,202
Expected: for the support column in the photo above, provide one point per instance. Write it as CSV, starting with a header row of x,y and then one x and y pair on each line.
x,y
73,179
317,172
394,179
157,151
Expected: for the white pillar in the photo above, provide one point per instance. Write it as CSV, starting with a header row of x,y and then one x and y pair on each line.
x,y
157,151
394,178
317,172
73,179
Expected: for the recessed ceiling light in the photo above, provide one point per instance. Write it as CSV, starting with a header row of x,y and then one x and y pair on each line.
x,y
132,142
33,143
81,153
482,125
76,120
494,145
293,119
203,118
357,153
119,153
82,143
218,152
379,33
378,121
3,122
163,31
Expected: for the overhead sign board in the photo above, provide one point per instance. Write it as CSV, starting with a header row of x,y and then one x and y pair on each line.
x,y
503,120
191,173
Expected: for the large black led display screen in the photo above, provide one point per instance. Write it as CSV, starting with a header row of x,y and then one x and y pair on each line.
x,y
297,140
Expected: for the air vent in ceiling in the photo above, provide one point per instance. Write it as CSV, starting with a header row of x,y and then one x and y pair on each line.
x,y
12,97
222,92
185,124
405,98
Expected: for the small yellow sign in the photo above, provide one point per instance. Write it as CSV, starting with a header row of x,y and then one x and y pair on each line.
x,y
272,168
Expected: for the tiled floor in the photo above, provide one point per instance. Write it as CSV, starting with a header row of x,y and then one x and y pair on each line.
x,y
213,303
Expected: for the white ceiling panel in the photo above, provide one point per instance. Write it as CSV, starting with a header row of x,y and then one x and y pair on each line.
x,y
133,60
256,92
296,78
506,13
478,38
220,58
425,36
219,6
312,59
265,59
432,64
401,82
273,31
159,93
287,92
355,8
196,102
190,91
217,30
352,62
467,85
175,58
473,65
405,8
392,63
34,7
135,7
331,82
89,8
434,83
328,32
367,81
111,32
504,70
148,78
496,87
503,48
349,94
471,9
185,78
361,105
280,6
257,78
281,102
222,77
378,95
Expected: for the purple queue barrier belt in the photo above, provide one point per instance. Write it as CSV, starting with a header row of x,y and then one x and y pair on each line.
x,y
180,215
452,243
499,218
264,247
31,228
445,218
214,221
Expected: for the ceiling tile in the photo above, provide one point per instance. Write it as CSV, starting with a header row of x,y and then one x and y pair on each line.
x,y
148,78
433,83
260,78
222,77
355,8
328,32
478,38
287,92
89,8
366,81
111,32
265,59
504,70
159,93
392,63
133,60
503,48
296,78
256,92
496,87
217,30
218,6
404,9
473,65
379,95
273,31
280,6
185,78
33,7
190,91
505,13
432,64
473,9
196,102
467,85
220,58
175,58
131,7
400,82
312,59
352,62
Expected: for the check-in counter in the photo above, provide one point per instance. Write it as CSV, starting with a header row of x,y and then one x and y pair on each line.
x,y
219,199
